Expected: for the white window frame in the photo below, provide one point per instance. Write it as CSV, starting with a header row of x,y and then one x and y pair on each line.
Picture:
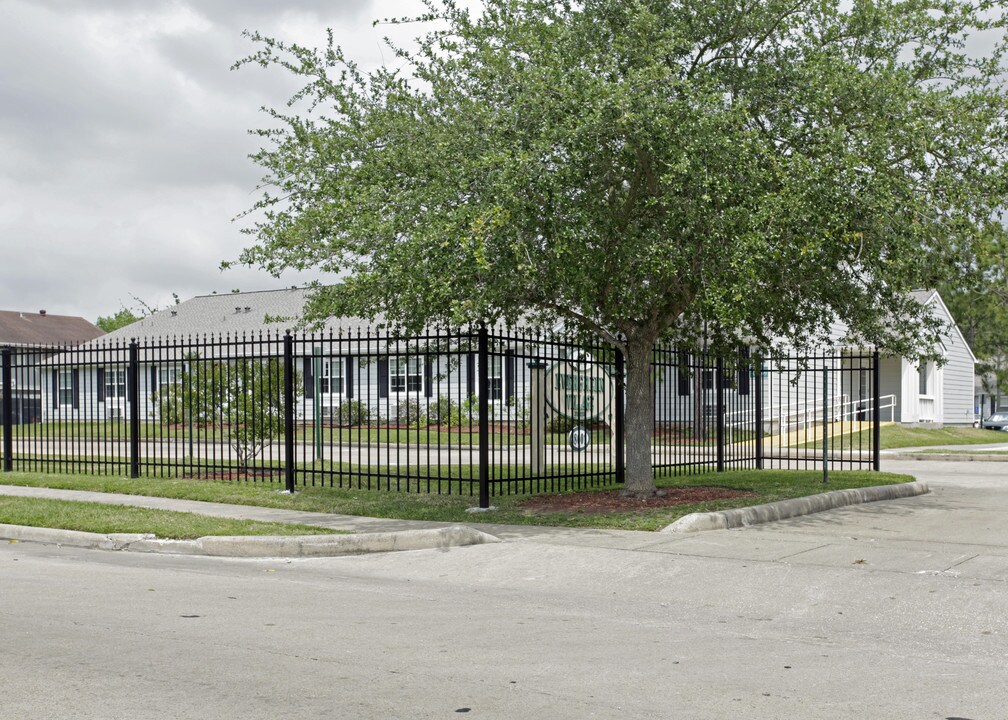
x,y
115,384
64,387
495,378
406,375
169,375
926,379
328,379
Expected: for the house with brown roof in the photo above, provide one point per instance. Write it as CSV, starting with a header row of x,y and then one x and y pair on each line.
x,y
31,337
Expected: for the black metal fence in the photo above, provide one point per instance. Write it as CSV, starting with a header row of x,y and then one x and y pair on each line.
x,y
482,411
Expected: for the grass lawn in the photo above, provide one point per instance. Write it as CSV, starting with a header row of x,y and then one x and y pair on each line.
x,y
901,436
102,518
761,486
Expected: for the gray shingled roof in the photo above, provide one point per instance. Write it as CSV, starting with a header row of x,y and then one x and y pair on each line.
x,y
232,317
232,314
34,328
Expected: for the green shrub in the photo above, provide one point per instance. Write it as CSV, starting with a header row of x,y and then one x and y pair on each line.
x,y
409,412
518,412
352,412
442,411
560,424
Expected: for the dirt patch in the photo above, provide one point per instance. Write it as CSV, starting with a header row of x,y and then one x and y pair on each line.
x,y
610,500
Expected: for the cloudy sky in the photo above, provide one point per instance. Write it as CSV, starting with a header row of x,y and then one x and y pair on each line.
x,y
124,141
124,144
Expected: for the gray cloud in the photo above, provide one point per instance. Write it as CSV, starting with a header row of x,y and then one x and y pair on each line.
x,y
124,137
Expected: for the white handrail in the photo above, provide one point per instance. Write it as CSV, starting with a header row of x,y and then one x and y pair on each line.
x,y
797,415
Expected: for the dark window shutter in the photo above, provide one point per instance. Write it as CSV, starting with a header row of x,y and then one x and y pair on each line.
x,y
428,377
743,371
55,388
683,374
154,385
348,376
309,377
101,384
383,377
470,375
75,387
509,375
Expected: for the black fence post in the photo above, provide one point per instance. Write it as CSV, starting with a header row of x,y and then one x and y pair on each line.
x,y
720,412
825,421
483,388
288,410
133,389
876,413
7,413
758,384
619,429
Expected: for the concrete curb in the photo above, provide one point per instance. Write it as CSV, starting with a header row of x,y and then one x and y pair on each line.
x,y
742,517
249,546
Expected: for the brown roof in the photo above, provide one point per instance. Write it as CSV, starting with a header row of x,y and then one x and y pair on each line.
x,y
26,328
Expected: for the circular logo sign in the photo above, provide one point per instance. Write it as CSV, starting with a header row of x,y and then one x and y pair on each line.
x,y
579,438
579,390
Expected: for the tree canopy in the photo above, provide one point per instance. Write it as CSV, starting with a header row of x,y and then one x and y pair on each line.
x,y
645,170
122,318
978,300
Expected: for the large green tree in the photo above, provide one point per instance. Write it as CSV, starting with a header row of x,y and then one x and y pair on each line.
x,y
121,319
978,300
645,170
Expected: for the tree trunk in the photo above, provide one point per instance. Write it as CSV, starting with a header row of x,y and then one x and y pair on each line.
x,y
639,417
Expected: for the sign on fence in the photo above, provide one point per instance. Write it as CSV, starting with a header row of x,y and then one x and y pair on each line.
x,y
579,390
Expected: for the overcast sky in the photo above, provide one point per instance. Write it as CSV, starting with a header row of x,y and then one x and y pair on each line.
x,y
124,144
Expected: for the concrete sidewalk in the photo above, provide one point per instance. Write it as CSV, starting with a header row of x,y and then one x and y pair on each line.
x,y
986,452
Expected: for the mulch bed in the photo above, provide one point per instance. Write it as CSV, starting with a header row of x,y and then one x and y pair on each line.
x,y
611,501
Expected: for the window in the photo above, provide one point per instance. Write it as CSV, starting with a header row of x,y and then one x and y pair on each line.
x,y
924,378
683,376
66,387
495,377
115,383
864,384
170,375
405,374
331,377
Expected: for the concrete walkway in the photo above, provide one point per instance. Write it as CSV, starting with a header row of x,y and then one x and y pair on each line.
x,y
988,452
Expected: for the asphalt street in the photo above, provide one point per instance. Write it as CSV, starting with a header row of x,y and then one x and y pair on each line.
x,y
885,610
